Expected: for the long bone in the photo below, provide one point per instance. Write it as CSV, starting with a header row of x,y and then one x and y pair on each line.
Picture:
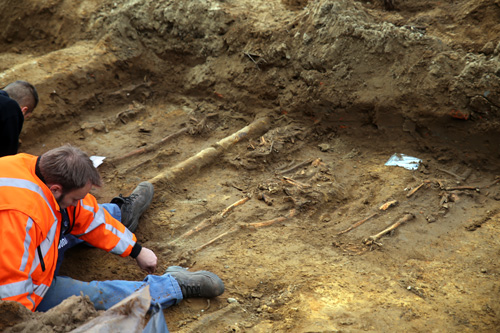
x,y
373,239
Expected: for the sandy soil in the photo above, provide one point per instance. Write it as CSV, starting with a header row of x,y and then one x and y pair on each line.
x,y
296,105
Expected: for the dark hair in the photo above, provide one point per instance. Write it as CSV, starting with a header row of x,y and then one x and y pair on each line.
x,y
24,93
69,167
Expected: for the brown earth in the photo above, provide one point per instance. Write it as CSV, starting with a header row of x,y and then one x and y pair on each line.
x,y
339,85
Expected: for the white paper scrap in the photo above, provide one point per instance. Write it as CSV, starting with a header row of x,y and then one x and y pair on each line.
x,y
405,161
97,160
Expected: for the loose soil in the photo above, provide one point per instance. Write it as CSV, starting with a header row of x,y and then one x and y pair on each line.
x,y
329,90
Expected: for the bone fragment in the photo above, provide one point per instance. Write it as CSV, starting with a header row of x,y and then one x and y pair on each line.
x,y
265,198
473,188
254,225
237,203
388,204
296,183
452,174
373,239
414,190
297,166
497,180
206,156
210,221
357,224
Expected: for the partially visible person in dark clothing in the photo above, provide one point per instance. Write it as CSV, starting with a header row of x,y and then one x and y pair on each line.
x,y
17,101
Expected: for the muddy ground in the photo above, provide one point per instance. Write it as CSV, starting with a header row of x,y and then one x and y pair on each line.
x,y
296,105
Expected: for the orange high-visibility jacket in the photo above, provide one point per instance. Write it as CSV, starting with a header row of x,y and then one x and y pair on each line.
x,y
30,223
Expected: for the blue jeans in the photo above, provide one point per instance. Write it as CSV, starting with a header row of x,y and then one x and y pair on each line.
x,y
68,241
164,289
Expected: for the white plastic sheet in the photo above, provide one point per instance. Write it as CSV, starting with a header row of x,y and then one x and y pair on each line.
x,y
97,160
125,316
404,161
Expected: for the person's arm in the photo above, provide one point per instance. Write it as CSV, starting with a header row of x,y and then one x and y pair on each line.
x,y
10,129
97,227
147,260
18,250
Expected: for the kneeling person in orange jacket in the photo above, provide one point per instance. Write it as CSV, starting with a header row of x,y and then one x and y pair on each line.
x,y
44,198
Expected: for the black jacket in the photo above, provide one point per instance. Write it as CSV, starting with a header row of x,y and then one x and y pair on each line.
x,y
11,124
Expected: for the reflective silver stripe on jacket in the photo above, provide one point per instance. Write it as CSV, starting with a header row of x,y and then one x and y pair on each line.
x,y
47,242
45,245
21,287
16,288
27,242
41,289
125,240
126,237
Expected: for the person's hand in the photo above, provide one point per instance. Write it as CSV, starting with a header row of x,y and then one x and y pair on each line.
x,y
147,260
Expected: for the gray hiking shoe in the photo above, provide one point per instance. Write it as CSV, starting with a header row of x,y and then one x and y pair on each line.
x,y
133,206
197,284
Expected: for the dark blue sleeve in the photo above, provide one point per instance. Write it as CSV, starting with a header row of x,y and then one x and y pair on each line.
x,y
11,123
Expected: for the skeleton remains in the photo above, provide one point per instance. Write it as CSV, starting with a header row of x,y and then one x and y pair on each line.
x,y
373,239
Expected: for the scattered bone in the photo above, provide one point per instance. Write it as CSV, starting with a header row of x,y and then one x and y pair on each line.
x,y
388,204
444,198
254,225
298,166
497,180
202,225
414,190
131,112
466,174
231,184
357,224
197,128
452,174
461,188
160,154
209,221
317,162
282,166
454,197
208,304
237,203
208,155
265,198
296,183
152,147
373,239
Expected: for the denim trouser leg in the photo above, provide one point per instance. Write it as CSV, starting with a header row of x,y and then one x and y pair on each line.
x,y
113,209
69,241
164,290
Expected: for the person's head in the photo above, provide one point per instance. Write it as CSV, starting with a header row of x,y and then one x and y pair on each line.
x,y
24,94
69,173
